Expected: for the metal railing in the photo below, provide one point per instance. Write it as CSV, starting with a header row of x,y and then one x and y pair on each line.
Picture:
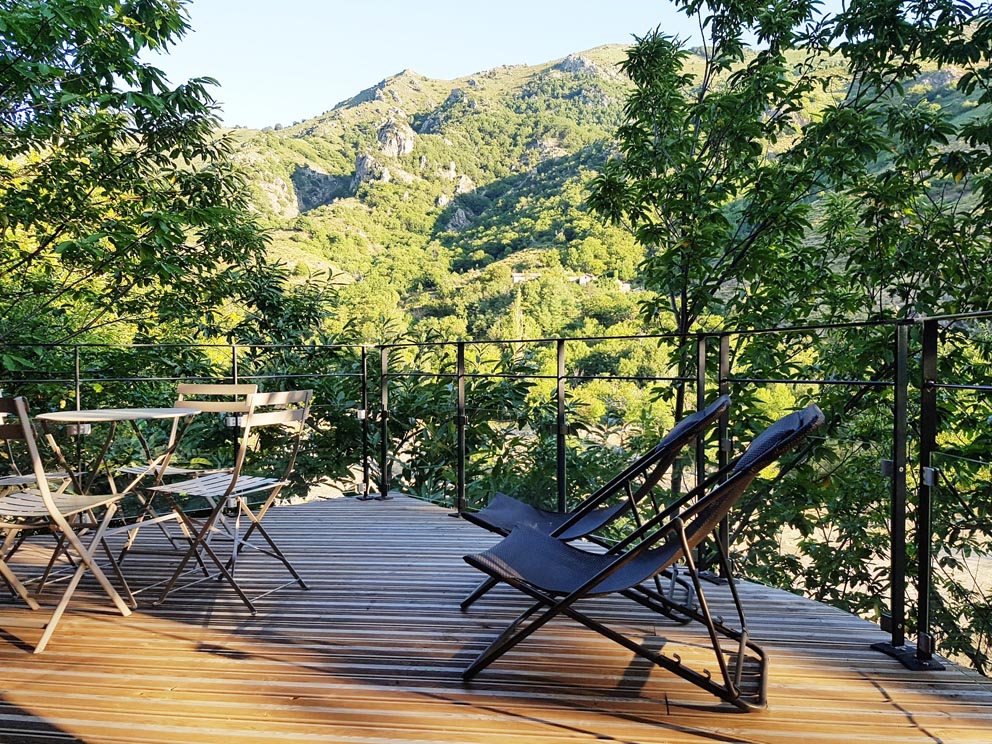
x,y
709,372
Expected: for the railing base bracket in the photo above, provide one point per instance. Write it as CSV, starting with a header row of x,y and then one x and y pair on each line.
x,y
906,655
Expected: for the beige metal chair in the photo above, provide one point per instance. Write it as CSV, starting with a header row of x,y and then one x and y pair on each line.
x,y
228,493
229,400
67,515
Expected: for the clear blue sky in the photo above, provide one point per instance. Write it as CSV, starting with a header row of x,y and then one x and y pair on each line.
x,y
280,61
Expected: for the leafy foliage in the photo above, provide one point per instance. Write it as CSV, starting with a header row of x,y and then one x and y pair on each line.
x,y
120,206
816,180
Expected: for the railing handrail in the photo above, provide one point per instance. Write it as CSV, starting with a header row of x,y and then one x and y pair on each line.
x,y
724,379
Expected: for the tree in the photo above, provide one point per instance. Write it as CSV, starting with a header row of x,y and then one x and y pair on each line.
x,y
725,151
119,207
808,180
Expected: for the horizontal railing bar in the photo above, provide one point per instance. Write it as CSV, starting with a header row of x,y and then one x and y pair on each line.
x,y
975,315
953,386
86,380
630,378
960,458
772,381
507,376
814,327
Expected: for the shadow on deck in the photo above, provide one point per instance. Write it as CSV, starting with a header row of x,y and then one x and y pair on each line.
x,y
374,650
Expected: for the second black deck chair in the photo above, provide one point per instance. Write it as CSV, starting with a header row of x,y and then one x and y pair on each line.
x,y
625,490
558,575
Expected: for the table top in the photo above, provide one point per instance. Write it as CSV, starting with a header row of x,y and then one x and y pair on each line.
x,y
109,415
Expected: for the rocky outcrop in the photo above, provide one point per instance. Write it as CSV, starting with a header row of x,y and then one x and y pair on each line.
x,y
575,63
315,188
460,220
367,169
396,139
432,123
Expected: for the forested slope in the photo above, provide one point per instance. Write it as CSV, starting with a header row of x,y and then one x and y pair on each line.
x,y
459,207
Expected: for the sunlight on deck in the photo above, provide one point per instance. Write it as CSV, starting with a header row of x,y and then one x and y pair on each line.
x,y
374,650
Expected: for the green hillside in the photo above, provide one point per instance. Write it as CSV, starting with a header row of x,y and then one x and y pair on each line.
x,y
431,201
434,204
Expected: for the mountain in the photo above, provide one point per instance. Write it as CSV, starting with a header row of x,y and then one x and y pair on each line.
x,y
427,192
457,207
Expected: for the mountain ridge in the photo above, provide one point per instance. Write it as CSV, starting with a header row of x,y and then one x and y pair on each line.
x,y
427,199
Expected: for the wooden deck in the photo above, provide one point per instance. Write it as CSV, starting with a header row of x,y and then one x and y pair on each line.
x,y
373,651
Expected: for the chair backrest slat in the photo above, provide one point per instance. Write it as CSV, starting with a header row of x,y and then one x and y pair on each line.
x,y
11,431
215,397
271,418
283,398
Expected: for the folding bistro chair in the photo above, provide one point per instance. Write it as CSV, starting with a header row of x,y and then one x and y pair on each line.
x,y
558,575
229,400
66,515
227,493
626,489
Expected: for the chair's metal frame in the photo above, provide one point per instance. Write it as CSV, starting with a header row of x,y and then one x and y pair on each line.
x,y
591,515
63,513
222,398
227,491
672,535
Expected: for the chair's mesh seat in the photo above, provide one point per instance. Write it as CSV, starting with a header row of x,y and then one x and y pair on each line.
x,y
505,512
530,555
783,435
558,568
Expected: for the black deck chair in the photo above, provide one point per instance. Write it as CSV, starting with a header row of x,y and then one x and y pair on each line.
x,y
557,574
626,489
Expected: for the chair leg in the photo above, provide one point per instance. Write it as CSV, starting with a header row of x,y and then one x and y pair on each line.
x,y
510,637
200,542
17,586
480,590
86,563
273,551
119,574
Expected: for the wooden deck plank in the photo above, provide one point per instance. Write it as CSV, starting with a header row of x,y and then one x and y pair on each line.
x,y
373,652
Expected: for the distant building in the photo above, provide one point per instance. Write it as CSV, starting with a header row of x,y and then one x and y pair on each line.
x,y
582,279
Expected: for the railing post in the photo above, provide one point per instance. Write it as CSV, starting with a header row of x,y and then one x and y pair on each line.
x,y
700,441
723,425
920,659
364,414
700,405
384,424
924,525
77,378
896,469
234,364
460,423
560,427
899,430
